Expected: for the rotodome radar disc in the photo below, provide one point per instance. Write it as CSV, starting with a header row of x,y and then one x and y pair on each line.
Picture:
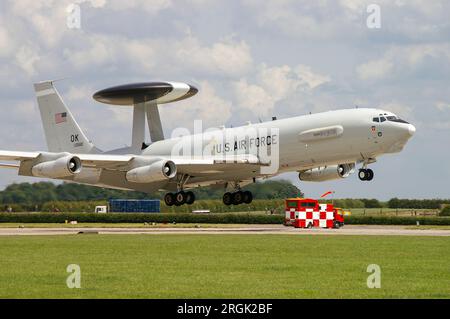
x,y
159,92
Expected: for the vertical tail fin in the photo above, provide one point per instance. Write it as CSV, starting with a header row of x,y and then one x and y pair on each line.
x,y
61,130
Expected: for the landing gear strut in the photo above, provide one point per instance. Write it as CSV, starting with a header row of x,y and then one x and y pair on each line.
x,y
181,197
365,174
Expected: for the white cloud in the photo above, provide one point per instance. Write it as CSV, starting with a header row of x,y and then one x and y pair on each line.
x,y
375,69
226,57
443,106
26,58
97,54
151,7
307,77
402,60
253,98
207,106
77,93
401,110
5,42
274,84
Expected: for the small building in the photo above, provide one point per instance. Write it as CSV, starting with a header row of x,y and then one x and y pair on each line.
x,y
134,205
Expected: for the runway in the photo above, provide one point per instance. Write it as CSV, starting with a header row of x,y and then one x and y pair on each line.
x,y
244,230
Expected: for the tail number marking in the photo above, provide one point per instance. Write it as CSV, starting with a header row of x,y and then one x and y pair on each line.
x,y
74,138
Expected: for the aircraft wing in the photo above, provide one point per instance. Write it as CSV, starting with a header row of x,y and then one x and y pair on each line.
x,y
212,165
87,160
17,156
185,165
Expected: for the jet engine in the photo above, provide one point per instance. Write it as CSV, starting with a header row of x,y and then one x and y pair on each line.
x,y
62,167
157,171
327,173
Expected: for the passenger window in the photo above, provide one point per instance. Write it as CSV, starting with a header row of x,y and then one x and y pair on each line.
x,y
382,119
376,119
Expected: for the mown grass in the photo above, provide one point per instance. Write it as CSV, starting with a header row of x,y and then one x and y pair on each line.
x,y
127,225
393,212
224,266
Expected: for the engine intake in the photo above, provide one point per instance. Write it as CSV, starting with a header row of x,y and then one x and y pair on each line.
x,y
61,167
327,173
157,171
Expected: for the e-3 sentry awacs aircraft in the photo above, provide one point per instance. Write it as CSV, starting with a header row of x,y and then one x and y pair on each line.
x,y
320,147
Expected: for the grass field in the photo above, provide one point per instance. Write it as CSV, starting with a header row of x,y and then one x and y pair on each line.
x,y
224,266
393,212
125,225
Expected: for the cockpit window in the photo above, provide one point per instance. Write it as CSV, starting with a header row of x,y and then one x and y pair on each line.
x,y
392,118
396,119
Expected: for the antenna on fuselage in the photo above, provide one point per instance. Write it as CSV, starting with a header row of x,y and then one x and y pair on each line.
x,y
145,97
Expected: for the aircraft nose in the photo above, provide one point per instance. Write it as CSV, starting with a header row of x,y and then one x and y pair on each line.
x,y
411,129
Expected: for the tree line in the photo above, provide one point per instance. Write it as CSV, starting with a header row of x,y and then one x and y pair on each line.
x,y
43,192
36,195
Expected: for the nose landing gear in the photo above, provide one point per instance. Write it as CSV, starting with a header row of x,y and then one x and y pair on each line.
x,y
365,174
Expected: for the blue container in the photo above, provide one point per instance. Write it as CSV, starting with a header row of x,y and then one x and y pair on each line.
x,y
134,205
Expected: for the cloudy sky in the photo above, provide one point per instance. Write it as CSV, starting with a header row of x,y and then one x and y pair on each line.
x,y
251,60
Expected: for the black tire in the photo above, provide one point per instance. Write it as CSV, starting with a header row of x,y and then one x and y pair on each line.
x,y
309,226
337,225
369,175
227,198
180,198
248,197
362,174
238,198
169,199
190,198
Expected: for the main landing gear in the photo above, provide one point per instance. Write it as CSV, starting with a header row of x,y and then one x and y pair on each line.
x,y
238,197
365,174
181,197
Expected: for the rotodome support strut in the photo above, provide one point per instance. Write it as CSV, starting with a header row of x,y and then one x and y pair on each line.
x,y
145,98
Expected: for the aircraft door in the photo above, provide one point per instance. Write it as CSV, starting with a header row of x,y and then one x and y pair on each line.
x,y
376,130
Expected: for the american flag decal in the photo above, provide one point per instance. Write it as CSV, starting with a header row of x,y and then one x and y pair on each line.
x,y
60,117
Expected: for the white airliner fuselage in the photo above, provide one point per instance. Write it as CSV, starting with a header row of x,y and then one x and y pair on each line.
x,y
357,142
320,147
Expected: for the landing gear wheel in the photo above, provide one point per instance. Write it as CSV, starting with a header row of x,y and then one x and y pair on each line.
x,y
309,225
190,198
365,174
337,225
180,198
169,199
238,198
369,175
362,174
248,197
227,198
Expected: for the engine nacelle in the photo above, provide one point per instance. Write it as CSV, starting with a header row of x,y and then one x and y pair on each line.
x,y
157,171
62,167
327,173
